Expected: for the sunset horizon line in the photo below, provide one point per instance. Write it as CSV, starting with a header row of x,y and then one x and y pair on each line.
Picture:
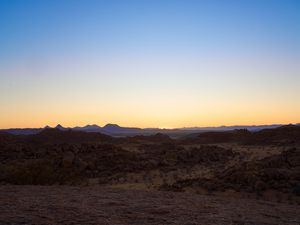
x,y
151,127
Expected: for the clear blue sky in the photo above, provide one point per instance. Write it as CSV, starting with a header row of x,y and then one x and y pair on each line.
x,y
149,63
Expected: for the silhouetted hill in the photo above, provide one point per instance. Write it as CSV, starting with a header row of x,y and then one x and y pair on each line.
x,y
23,131
284,134
88,128
54,135
116,129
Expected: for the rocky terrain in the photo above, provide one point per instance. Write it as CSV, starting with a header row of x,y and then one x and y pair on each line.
x,y
224,170
47,205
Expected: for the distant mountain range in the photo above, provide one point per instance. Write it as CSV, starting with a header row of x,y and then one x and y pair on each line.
x,y
116,130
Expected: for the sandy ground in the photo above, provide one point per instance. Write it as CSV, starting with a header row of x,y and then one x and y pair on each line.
x,y
40,205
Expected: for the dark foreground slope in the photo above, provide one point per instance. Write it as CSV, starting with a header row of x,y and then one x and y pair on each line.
x,y
101,206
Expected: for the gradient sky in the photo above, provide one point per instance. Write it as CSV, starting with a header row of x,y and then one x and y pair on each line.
x,y
149,63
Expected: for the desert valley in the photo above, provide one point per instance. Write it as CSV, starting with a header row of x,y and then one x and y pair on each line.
x,y
242,177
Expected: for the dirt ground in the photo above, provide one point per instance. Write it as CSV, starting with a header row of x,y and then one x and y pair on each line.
x,y
39,205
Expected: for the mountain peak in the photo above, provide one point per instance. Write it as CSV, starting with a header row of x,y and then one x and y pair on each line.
x,y
59,126
111,125
91,126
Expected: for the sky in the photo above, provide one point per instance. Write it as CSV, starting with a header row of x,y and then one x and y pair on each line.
x,y
149,63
